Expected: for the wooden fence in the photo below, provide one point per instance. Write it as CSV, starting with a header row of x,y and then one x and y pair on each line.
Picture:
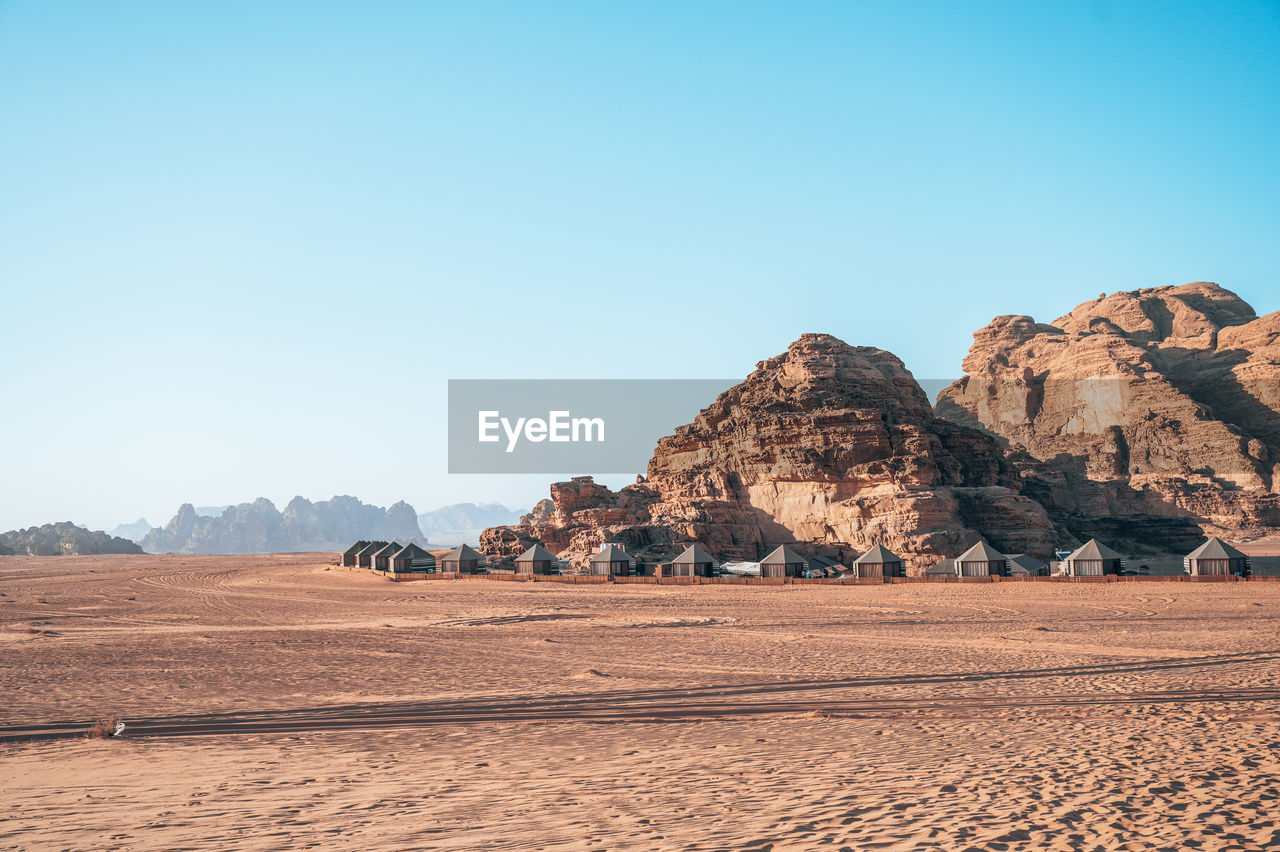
x,y
596,579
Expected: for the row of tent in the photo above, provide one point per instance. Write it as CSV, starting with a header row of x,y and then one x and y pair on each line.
x,y
694,561
983,560
398,558
1092,559
611,560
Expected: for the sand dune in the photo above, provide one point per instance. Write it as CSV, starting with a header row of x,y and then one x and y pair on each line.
x,y
273,703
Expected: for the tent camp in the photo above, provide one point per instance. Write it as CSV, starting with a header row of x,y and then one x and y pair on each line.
x,y
364,558
879,561
1094,559
693,562
1022,565
382,556
1216,557
412,559
463,559
982,560
612,561
536,560
783,562
349,555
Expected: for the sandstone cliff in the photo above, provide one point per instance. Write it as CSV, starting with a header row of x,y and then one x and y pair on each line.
x,y
1154,412
829,445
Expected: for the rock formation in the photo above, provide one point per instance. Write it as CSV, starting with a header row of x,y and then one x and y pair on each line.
x,y
464,519
135,531
63,539
258,527
1155,413
829,445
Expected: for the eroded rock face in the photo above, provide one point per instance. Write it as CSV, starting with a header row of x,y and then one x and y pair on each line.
x,y
580,516
1153,404
829,445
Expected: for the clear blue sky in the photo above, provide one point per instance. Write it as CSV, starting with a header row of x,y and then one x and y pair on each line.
x,y
243,246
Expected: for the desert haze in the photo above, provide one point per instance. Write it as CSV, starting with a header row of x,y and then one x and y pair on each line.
x,y
278,702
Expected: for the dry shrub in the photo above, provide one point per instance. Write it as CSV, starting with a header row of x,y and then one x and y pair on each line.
x,y
103,729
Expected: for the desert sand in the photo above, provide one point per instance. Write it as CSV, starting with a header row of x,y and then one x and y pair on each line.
x,y
276,702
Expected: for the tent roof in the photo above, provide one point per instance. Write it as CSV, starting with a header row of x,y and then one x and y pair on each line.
x,y
410,551
537,553
1024,562
462,553
821,562
611,553
355,548
981,552
1215,548
877,555
371,548
946,566
693,555
782,555
1093,549
387,549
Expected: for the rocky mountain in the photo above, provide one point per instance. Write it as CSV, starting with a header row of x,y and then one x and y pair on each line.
x,y
63,539
465,517
830,445
135,531
259,527
1151,415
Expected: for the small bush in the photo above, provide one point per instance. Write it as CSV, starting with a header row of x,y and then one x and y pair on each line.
x,y
103,729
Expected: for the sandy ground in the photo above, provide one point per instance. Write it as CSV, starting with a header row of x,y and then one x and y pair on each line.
x,y
1269,546
276,704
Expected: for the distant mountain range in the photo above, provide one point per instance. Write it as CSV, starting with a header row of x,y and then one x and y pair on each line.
x,y
138,530
135,531
62,539
465,520
259,527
